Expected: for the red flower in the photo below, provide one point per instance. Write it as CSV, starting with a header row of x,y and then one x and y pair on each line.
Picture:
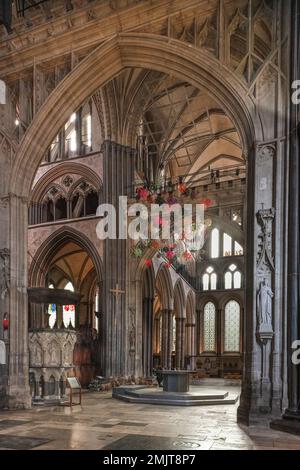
x,y
155,244
170,254
143,193
187,255
207,202
168,265
148,262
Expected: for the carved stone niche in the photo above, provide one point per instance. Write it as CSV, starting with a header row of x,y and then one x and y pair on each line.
x,y
265,268
4,272
50,362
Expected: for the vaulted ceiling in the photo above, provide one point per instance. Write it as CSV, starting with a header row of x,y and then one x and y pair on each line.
x,y
184,130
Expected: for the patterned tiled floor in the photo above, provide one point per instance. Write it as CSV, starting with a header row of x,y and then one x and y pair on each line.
x,y
106,423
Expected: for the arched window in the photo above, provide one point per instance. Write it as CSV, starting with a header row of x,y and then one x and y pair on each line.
x,y
96,309
205,281
69,310
86,128
209,327
238,249
71,136
160,332
49,209
209,279
77,205
227,245
174,333
61,209
228,280
214,241
91,203
51,312
233,278
237,280
232,327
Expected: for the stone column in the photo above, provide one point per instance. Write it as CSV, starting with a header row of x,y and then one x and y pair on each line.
x,y
118,174
156,342
293,237
59,316
198,331
167,317
147,337
193,346
18,385
180,337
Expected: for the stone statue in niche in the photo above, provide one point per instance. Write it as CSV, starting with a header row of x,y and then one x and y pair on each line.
x,y
265,261
264,306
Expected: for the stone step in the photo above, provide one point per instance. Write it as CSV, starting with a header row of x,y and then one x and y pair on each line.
x,y
174,396
231,400
199,398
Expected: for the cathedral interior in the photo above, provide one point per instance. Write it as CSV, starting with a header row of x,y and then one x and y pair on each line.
x,y
171,103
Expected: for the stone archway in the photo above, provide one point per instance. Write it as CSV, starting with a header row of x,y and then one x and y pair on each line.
x,y
126,50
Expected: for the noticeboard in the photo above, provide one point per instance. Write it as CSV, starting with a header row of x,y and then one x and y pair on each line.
x,y
73,383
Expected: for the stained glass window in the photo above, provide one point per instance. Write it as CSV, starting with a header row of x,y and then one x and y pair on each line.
x,y
209,327
52,311
160,332
174,333
232,327
69,310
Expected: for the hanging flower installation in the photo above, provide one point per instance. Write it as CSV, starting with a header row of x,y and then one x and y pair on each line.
x,y
182,249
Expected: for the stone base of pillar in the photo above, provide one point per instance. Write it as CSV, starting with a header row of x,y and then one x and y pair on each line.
x,y
254,411
19,399
289,423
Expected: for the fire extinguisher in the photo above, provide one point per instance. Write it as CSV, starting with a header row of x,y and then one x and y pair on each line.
x,y
5,322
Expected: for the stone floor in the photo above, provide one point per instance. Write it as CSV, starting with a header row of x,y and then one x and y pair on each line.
x,y
106,423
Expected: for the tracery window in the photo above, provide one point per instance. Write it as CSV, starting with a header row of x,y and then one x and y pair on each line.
x,y
64,201
209,279
224,243
209,327
68,311
232,327
233,278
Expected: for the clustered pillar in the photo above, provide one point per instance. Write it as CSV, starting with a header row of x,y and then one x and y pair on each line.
x,y
118,177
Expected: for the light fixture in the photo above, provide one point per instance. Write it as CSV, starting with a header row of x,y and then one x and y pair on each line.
x,y
17,122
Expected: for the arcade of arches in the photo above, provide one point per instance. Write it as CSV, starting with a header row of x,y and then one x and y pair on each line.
x,y
188,106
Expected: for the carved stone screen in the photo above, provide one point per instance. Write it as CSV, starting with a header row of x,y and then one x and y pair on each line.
x,y
209,327
232,327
